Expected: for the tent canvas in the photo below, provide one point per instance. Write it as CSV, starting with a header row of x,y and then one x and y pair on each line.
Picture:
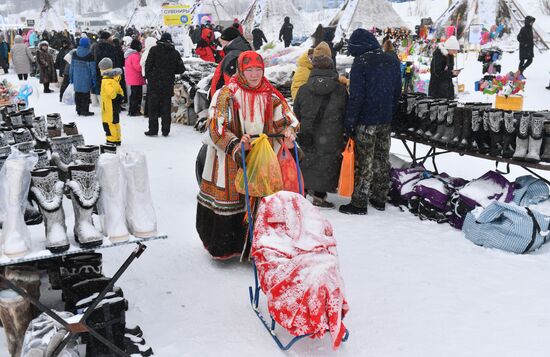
x,y
269,16
214,8
354,14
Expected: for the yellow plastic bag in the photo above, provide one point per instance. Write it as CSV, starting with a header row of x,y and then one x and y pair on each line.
x,y
262,170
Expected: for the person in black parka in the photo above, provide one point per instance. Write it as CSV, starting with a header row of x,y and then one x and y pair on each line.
x,y
258,38
526,44
320,106
285,34
103,49
442,70
161,67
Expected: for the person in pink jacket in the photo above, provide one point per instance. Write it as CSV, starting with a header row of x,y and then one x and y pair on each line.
x,y
134,78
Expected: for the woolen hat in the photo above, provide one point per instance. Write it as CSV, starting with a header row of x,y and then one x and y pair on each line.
x,y
230,33
105,63
136,45
84,42
322,49
105,35
452,44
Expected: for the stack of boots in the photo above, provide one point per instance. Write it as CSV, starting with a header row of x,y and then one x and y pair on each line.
x,y
77,140
112,202
83,293
54,125
546,143
27,117
84,195
476,129
39,133
25,147
62,154
16,314
3,139
7,133
496,121
441,121
27,278
432,127
86,154
509,133
483,135
135,344
107,149
5,151
78,267
449,131
398,125
423,116
43,160
522,138
22,135
108,319
15,234
47,192
70,129
458,126
140,212
16,120
536,129
410,121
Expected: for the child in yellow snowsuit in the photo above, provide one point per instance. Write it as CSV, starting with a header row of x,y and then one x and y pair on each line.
x,y
111,99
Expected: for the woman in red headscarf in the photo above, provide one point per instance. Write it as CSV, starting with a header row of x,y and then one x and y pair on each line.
x,y
248,105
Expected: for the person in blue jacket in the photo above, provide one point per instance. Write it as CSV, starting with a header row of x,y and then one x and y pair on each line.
x,y
83,77
375,88
4,54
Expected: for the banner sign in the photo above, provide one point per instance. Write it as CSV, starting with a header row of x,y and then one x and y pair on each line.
x,y
176,15
204,18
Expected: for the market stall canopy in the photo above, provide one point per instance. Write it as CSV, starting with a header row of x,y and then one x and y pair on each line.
x,y
269,16
366,14
509,13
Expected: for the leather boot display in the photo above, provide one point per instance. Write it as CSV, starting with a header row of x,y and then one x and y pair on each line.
x,y
522,138
84,195
47,191
16,314
140,212
54,125
423,115
496,121
449,131
441,120
546,143
112,203
509,133
70,129
536,129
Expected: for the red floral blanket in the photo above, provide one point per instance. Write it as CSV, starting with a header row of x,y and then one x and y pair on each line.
x,y
297,262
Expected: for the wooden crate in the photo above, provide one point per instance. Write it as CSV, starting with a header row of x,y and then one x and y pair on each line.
x,y
513,102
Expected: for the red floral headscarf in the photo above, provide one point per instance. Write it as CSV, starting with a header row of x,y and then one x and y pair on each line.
x,y
250,59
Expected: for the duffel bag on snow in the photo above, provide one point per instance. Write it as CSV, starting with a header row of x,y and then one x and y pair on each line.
x,y
434,196
509,227
402,182
530,190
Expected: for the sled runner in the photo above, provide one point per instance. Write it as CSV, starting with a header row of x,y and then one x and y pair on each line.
x,y
323,313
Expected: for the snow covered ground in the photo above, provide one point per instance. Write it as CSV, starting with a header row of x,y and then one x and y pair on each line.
x,y
414,288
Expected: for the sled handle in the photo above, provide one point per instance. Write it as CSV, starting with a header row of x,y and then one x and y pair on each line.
x,y
247,196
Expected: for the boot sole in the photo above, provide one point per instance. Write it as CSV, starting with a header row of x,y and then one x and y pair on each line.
x,y
91,244
144,234
119,239
16,255
59,249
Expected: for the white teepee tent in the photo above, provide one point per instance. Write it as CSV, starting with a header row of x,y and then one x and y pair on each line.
x,y
269,16
354,14
49,19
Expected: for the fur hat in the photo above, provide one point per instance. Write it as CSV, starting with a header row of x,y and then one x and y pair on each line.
x,y
105,35
105,64
322,49
230,33
136,45
452,44
166,37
